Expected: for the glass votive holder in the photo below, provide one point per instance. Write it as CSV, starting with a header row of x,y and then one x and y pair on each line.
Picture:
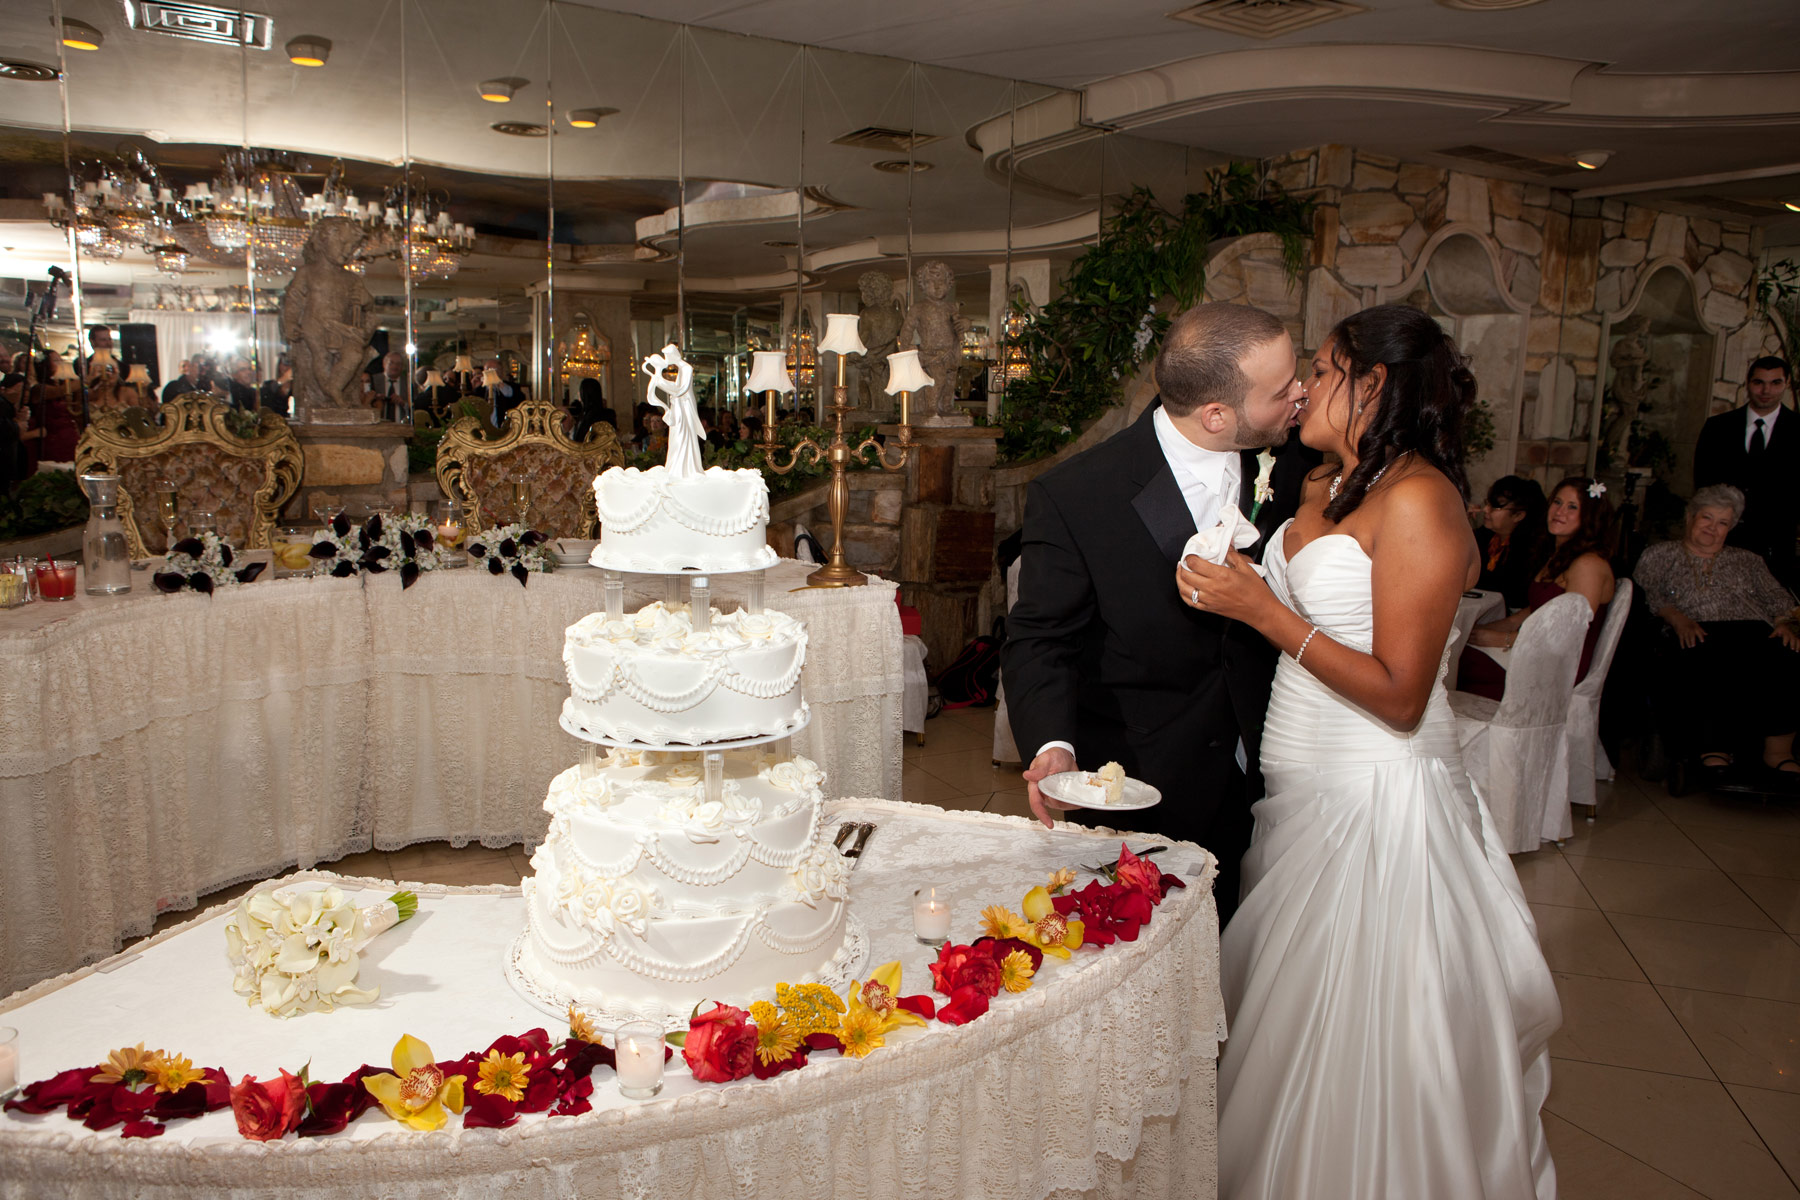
x,y
56,579
292,547
638,1059
14,588
9,1062
200,522
931,916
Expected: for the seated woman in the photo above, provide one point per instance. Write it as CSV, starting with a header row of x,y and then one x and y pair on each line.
x,y
1512,528
1579,522
1736,671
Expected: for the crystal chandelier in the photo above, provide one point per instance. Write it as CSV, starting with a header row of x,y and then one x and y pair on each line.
x,y
1014,364
435,249
802,354
110,207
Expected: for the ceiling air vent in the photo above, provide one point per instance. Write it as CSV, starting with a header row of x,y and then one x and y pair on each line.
x,y
893,141
518,129
1507,160
26,72
1265,18
201,22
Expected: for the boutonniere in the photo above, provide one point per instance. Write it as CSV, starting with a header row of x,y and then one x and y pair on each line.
x,y
1264,490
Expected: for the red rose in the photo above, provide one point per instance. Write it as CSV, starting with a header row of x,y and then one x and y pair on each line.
x,y
268,1110
1140,874
721,1045
966,966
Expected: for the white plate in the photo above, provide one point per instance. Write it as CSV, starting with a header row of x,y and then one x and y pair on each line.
x,y
1072,787
572,548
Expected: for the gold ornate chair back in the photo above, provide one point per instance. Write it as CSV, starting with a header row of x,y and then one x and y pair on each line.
x,y
479,471
244,481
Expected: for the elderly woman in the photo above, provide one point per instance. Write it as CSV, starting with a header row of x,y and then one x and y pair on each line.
x,y
1737,670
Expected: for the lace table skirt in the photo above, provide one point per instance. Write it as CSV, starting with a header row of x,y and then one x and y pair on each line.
x,y
1096,1082
155,748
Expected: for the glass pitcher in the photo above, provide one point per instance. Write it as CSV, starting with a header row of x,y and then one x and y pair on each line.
x,y
103,549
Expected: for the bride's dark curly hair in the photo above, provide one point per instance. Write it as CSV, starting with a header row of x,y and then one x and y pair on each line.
x,y
1420,410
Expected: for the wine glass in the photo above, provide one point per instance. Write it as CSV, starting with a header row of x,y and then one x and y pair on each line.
x,y
164,491
521,500
199,522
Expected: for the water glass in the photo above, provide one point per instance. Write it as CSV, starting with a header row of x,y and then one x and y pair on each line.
x,y
200,522
293,551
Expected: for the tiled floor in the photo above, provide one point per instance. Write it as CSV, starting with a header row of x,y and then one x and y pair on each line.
x,y
1673,929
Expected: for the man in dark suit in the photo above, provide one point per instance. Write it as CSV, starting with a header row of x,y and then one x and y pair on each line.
x,y
1756,449
1103,661
182,384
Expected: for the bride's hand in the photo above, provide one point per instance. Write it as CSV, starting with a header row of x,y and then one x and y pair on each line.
x,y
1233,590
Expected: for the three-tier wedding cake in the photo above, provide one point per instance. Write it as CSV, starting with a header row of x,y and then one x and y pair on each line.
x,y
678,867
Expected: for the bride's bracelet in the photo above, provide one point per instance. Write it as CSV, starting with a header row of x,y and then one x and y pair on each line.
x,y
1309,637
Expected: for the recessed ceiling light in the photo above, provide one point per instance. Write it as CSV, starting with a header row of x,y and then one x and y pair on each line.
x,y
587,118
499,91
26,72
308,51
900,166
1791,205
1592,160
79,35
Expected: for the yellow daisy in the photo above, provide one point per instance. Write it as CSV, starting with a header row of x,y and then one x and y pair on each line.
x,y
860,1032
998,921
1016,971
763,1014
775,1042
174,1072
1060,879
581,1027
129,1065
504,1075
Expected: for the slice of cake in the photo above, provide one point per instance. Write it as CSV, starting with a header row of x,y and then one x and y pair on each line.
x,y
1110,779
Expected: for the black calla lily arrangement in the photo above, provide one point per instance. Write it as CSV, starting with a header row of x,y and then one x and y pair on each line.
x,y
203,564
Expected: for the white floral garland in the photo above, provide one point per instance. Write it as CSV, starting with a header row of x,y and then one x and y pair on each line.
x,y
203,563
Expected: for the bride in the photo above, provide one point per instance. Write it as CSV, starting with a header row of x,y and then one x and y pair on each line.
x,y
1389,1007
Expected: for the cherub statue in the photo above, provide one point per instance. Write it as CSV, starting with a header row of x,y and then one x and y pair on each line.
x,y
878,325
675,397
327,318
936,327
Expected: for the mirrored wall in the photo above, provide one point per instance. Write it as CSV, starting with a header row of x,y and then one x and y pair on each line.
x,y
547,191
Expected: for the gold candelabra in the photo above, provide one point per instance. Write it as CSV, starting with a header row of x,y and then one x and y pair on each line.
x,y
836,572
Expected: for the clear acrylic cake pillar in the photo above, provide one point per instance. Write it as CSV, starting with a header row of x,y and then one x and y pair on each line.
x,y
700,596
756,599
614,583
590,760
715,776
674,590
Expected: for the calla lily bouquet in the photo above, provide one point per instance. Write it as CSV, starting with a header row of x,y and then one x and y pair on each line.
x,y
513,549
205,564
296,951
403,543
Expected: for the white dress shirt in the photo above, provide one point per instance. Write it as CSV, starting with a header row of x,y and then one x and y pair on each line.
x,y
1209,480
1751,417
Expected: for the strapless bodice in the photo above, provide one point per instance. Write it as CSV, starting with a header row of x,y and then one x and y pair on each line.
x,y
1329,582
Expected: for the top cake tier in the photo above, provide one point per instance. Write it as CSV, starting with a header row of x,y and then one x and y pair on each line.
x,y
654,522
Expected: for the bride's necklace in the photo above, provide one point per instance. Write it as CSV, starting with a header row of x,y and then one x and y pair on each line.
x,y
1337,481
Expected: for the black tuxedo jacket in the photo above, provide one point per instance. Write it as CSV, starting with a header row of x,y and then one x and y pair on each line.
x,y
1101,652
1771,485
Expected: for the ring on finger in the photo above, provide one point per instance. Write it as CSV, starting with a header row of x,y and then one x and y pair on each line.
x,y
1194,598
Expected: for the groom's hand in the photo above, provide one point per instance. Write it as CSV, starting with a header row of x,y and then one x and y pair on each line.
x,y
1053,761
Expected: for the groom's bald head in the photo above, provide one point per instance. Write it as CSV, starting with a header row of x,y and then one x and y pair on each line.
x,y
1201,360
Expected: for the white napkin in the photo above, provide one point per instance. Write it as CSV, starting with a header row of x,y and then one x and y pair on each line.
x,y
1234,531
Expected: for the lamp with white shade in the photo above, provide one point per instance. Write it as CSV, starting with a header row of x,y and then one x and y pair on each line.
x,y
906,375
769,373
842,338
139,374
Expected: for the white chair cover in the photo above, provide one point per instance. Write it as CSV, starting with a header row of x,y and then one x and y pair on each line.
x,y
1004,749
917,687
1517,751
1587,757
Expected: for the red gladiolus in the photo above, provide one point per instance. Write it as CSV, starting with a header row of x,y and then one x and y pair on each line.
x,y
721,1045
268,1110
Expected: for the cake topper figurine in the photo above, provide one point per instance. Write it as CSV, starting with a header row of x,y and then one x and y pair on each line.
x,y
675,397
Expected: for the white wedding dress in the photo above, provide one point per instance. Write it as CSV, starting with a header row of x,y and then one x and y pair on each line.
x,y
1389,1007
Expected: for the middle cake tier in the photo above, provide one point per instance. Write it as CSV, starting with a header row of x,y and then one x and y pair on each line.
x,y
650,677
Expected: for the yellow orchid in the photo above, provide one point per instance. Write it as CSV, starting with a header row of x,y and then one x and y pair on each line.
x,y
503,1075
880,994
1051,932
417,1093
173,1072
997,921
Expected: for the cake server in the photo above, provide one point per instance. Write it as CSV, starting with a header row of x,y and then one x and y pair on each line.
x,y
862,837
844,833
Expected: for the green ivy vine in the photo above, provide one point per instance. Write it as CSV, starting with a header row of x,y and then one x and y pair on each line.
x,y
1104,323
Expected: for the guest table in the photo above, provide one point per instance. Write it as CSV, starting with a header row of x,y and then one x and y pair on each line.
x,y
1098,1081
154,748
1475,608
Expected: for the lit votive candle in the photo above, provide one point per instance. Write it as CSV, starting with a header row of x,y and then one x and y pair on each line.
x,y
9,1062
638,1059
931,916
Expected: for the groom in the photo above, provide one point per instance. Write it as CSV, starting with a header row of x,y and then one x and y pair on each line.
x,y
1103,662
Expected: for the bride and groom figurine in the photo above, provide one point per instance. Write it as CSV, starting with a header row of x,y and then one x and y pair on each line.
x,y
1389,1007
681,411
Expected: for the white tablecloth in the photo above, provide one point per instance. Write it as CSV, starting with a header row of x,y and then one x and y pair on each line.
x,y
155,748
1097,1081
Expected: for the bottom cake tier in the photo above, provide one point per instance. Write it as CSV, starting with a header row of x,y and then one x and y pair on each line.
x,y
647,899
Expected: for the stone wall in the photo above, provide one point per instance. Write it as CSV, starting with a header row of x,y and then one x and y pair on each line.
x,y
871,527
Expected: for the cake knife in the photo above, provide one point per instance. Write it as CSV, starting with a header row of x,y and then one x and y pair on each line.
x,y
862,837
844,833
